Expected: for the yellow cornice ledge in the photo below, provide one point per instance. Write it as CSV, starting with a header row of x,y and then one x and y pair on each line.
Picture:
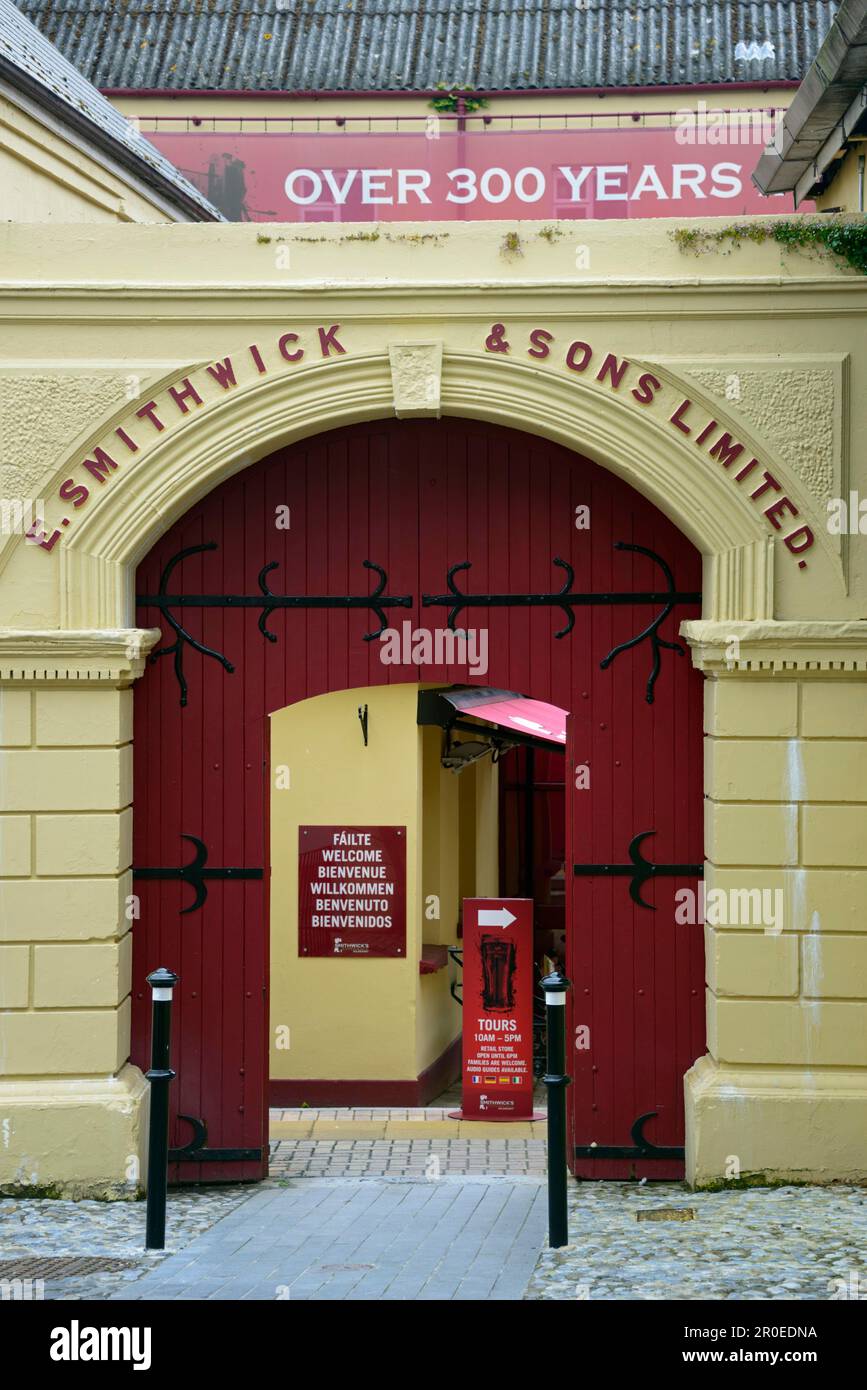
x,y
113,656
767,646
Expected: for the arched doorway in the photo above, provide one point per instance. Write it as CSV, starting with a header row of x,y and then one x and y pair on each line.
x,y
273,589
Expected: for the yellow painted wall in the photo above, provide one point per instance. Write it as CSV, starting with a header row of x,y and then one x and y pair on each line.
x,y
441,840
846,190
466,835
718,334
348,1019
487,850
66,944
372,1019
786,816
770,341
460,818
479,820
46,177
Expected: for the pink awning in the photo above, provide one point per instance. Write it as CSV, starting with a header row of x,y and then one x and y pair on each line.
x,y
512,711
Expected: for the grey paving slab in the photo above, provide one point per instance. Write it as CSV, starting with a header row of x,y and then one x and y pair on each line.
x,y
364,1238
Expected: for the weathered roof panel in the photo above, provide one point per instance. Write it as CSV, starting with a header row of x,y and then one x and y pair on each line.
x,y
418,45
30,64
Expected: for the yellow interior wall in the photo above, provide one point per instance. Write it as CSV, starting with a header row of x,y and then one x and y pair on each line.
x,y
331,1006
479,870
440,842
467,831
451,844
459,860
486,828
439,1016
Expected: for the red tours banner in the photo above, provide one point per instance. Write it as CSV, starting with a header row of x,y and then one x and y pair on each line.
x,y
498,1009
473,175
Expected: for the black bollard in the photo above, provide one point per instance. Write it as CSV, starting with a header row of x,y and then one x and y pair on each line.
x,y
162,982
555,987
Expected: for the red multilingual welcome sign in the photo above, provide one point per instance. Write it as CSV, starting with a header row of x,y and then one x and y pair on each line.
x,y
396,176
352,890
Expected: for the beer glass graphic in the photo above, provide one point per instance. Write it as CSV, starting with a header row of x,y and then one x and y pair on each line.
x,y
498,971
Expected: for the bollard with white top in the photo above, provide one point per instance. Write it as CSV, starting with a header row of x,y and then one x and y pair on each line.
x,y
162,983
555,986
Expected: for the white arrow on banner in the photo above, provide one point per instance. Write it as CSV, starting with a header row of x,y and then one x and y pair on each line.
x,y
495,917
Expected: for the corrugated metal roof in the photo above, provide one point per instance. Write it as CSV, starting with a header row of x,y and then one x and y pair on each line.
x,y
417,45
30,64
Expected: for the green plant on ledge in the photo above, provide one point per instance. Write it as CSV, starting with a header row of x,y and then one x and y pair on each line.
x,y
845,237
448,102
511,245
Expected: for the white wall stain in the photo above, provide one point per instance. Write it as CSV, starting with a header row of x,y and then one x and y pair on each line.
x,y
814,967
796,793
798,900
813,973
811,961
795,770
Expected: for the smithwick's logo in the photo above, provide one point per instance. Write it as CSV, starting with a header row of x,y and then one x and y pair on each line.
x,y
487,1102
341,947
77,1343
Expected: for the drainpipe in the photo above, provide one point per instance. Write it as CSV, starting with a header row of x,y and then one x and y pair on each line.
x,y
461,124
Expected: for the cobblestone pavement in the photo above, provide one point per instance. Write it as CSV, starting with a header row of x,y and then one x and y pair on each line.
x,y
364,1238
764,1243
32,1228
410,1157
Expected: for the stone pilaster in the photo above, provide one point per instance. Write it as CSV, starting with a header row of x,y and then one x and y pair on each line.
x,y
70,1103
783,1090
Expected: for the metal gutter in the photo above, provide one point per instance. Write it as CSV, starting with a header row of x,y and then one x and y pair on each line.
x,y
821,171
829,109
512,93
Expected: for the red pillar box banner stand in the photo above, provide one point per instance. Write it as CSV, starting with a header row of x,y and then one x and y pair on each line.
x,y
352,891
497,1066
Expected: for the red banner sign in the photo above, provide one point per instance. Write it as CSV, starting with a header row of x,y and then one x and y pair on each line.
x,y
474,175
498,1009
352,890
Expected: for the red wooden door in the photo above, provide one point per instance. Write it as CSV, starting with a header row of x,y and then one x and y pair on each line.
x,y
413,499
634,794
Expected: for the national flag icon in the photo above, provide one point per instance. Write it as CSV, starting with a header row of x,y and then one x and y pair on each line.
x,y
490,1080
516,1080
477,1080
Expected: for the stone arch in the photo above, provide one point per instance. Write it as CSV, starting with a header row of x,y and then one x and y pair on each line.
x,y
232,429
